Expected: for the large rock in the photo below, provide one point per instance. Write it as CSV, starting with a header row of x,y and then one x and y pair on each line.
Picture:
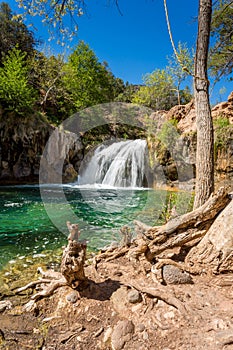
x,y
224,109
122,333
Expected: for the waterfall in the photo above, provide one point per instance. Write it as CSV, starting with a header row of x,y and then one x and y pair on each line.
x,y
122,164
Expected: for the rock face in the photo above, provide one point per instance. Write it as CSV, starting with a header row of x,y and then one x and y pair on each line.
x,y
224,109
178,160
60,157
22,145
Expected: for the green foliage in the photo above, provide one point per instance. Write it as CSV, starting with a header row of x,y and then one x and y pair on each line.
x,y
222,133
15,92
127,93
88,81
13,32
221,52
54,13
168,134
158,92
46,75
181,67
221,122
185,95
176,203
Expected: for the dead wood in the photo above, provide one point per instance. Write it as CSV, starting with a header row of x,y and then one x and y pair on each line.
x,y
141,228
177,241
110,254
32,284
215,251
73,258
205,213
72,267
185,231
50,289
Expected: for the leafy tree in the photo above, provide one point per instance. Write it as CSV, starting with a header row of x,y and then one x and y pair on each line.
x,y
13,32
15,92
180,67
158,92
185,95
221,53
127,93
46,76
88,81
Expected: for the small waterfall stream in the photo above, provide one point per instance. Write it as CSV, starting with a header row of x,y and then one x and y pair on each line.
x,y
122,164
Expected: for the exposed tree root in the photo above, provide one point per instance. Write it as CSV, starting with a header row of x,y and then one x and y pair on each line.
x,y
50,289
177,241
32,284
111,254
161,293
193,219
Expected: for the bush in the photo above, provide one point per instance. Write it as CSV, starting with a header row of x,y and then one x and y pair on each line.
x,y
15,92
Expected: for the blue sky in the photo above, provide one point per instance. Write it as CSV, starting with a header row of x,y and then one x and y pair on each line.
x,y
137,42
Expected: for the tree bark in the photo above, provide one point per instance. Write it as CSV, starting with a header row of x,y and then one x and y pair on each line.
x,y
72,265
205,134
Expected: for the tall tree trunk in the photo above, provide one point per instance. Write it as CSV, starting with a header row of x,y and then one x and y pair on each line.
x,y
205,134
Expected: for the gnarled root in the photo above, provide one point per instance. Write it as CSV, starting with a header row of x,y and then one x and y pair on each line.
x,y
161,293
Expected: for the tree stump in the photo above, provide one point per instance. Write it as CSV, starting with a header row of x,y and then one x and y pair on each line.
x,y
73,258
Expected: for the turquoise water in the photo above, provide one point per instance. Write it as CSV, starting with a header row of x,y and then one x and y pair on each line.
x,y
30,225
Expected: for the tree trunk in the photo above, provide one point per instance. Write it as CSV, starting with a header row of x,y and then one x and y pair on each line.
x,y
205,134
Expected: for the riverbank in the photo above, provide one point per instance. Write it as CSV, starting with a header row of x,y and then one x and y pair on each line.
x,y
125,303
110,314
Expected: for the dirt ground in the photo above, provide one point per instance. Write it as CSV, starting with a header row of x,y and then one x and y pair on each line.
x,y
108,313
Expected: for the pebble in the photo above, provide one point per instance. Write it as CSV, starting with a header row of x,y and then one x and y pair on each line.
x,y
134,297
107,335
72,297
141,327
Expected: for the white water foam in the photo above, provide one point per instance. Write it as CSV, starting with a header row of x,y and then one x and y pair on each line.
x,y
122,164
